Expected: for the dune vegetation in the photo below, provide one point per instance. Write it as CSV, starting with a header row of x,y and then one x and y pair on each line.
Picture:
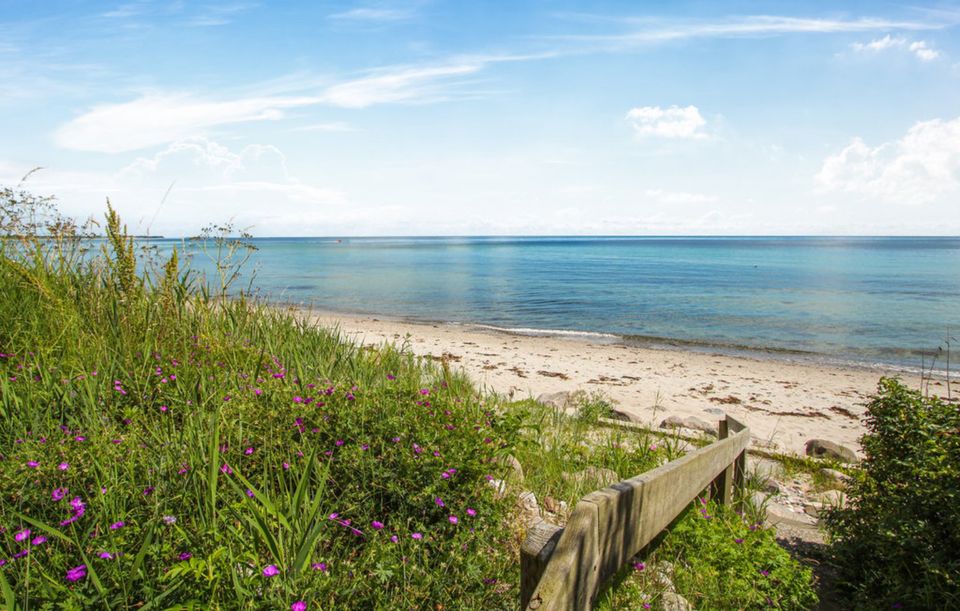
x,y
164,446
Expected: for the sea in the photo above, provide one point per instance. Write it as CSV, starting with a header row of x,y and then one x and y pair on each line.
x,y
871,301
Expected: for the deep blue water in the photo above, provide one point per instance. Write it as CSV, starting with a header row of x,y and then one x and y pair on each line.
x,y
868,300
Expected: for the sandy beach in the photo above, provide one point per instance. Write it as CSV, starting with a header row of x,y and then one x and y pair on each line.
x,y
784,403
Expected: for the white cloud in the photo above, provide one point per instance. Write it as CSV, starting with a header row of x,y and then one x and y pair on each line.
x,y
919,168
672,122
397,85
160,118
375,15
649,31
919,48
152,119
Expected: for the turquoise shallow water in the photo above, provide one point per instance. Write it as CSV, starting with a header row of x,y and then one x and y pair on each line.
x,y
863,300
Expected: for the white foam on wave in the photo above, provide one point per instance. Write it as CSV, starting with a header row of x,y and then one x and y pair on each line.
x,y
549,332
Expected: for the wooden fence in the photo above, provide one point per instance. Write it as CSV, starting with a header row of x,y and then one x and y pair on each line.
x,y
564,568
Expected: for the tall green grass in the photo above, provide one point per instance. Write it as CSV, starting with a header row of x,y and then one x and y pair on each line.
x,y
163,447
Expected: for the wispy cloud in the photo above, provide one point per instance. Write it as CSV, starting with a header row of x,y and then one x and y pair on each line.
x,y
373,15
919,48
153,119
642,31
204,14
219,14
159,118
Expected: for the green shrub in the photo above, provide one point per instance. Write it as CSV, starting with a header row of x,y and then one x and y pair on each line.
x,y
719,561
897,542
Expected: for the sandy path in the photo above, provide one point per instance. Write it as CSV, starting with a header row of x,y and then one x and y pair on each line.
x,y
784,403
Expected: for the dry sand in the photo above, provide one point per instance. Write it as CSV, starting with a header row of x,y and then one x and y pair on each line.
x,y
785,403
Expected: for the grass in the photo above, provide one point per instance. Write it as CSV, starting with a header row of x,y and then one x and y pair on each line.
x,y
166,447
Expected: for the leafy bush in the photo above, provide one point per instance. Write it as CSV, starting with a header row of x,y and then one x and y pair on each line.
x,y
898,540
718,560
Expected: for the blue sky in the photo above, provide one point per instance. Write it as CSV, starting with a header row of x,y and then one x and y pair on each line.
x,y
475,118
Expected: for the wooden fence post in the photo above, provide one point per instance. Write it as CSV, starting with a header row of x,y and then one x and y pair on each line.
x,y
722,487
535,553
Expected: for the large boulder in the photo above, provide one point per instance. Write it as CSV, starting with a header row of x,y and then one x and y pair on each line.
x,y
821,448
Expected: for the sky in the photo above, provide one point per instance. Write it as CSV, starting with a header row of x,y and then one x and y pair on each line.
x,y
433,117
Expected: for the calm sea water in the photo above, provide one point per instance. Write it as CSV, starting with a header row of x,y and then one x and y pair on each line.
x,y
866,300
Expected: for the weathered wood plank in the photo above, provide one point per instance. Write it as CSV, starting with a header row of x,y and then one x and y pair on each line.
x,y
535,553
572,575
609,526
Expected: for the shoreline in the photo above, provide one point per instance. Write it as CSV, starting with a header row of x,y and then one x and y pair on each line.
x,y
784,402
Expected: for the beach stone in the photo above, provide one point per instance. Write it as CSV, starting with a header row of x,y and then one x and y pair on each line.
x,y
671,601
528,508
697,424
782,514
617,414
813,509
672,422
599,477
837,478
821,448
554,506
766,468
516,466
716,411
771,485
557,400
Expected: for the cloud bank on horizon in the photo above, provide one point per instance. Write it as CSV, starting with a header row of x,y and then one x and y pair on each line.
x,y
425,117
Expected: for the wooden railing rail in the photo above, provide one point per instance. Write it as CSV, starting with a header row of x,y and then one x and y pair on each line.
x,y
564,568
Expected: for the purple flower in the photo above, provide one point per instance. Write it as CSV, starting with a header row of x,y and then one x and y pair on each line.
x,y
738,540
169,520
471,512
416,536
248,451
185,556
148,490
58,494
33,464
298,606
391,377
250,493
453,519
63,467
39,540
270,570
338,443
117,525
639,566
77,573
106,555
394,539
424,391
376,524
319,566
22,535
439,502
764,573
225,468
